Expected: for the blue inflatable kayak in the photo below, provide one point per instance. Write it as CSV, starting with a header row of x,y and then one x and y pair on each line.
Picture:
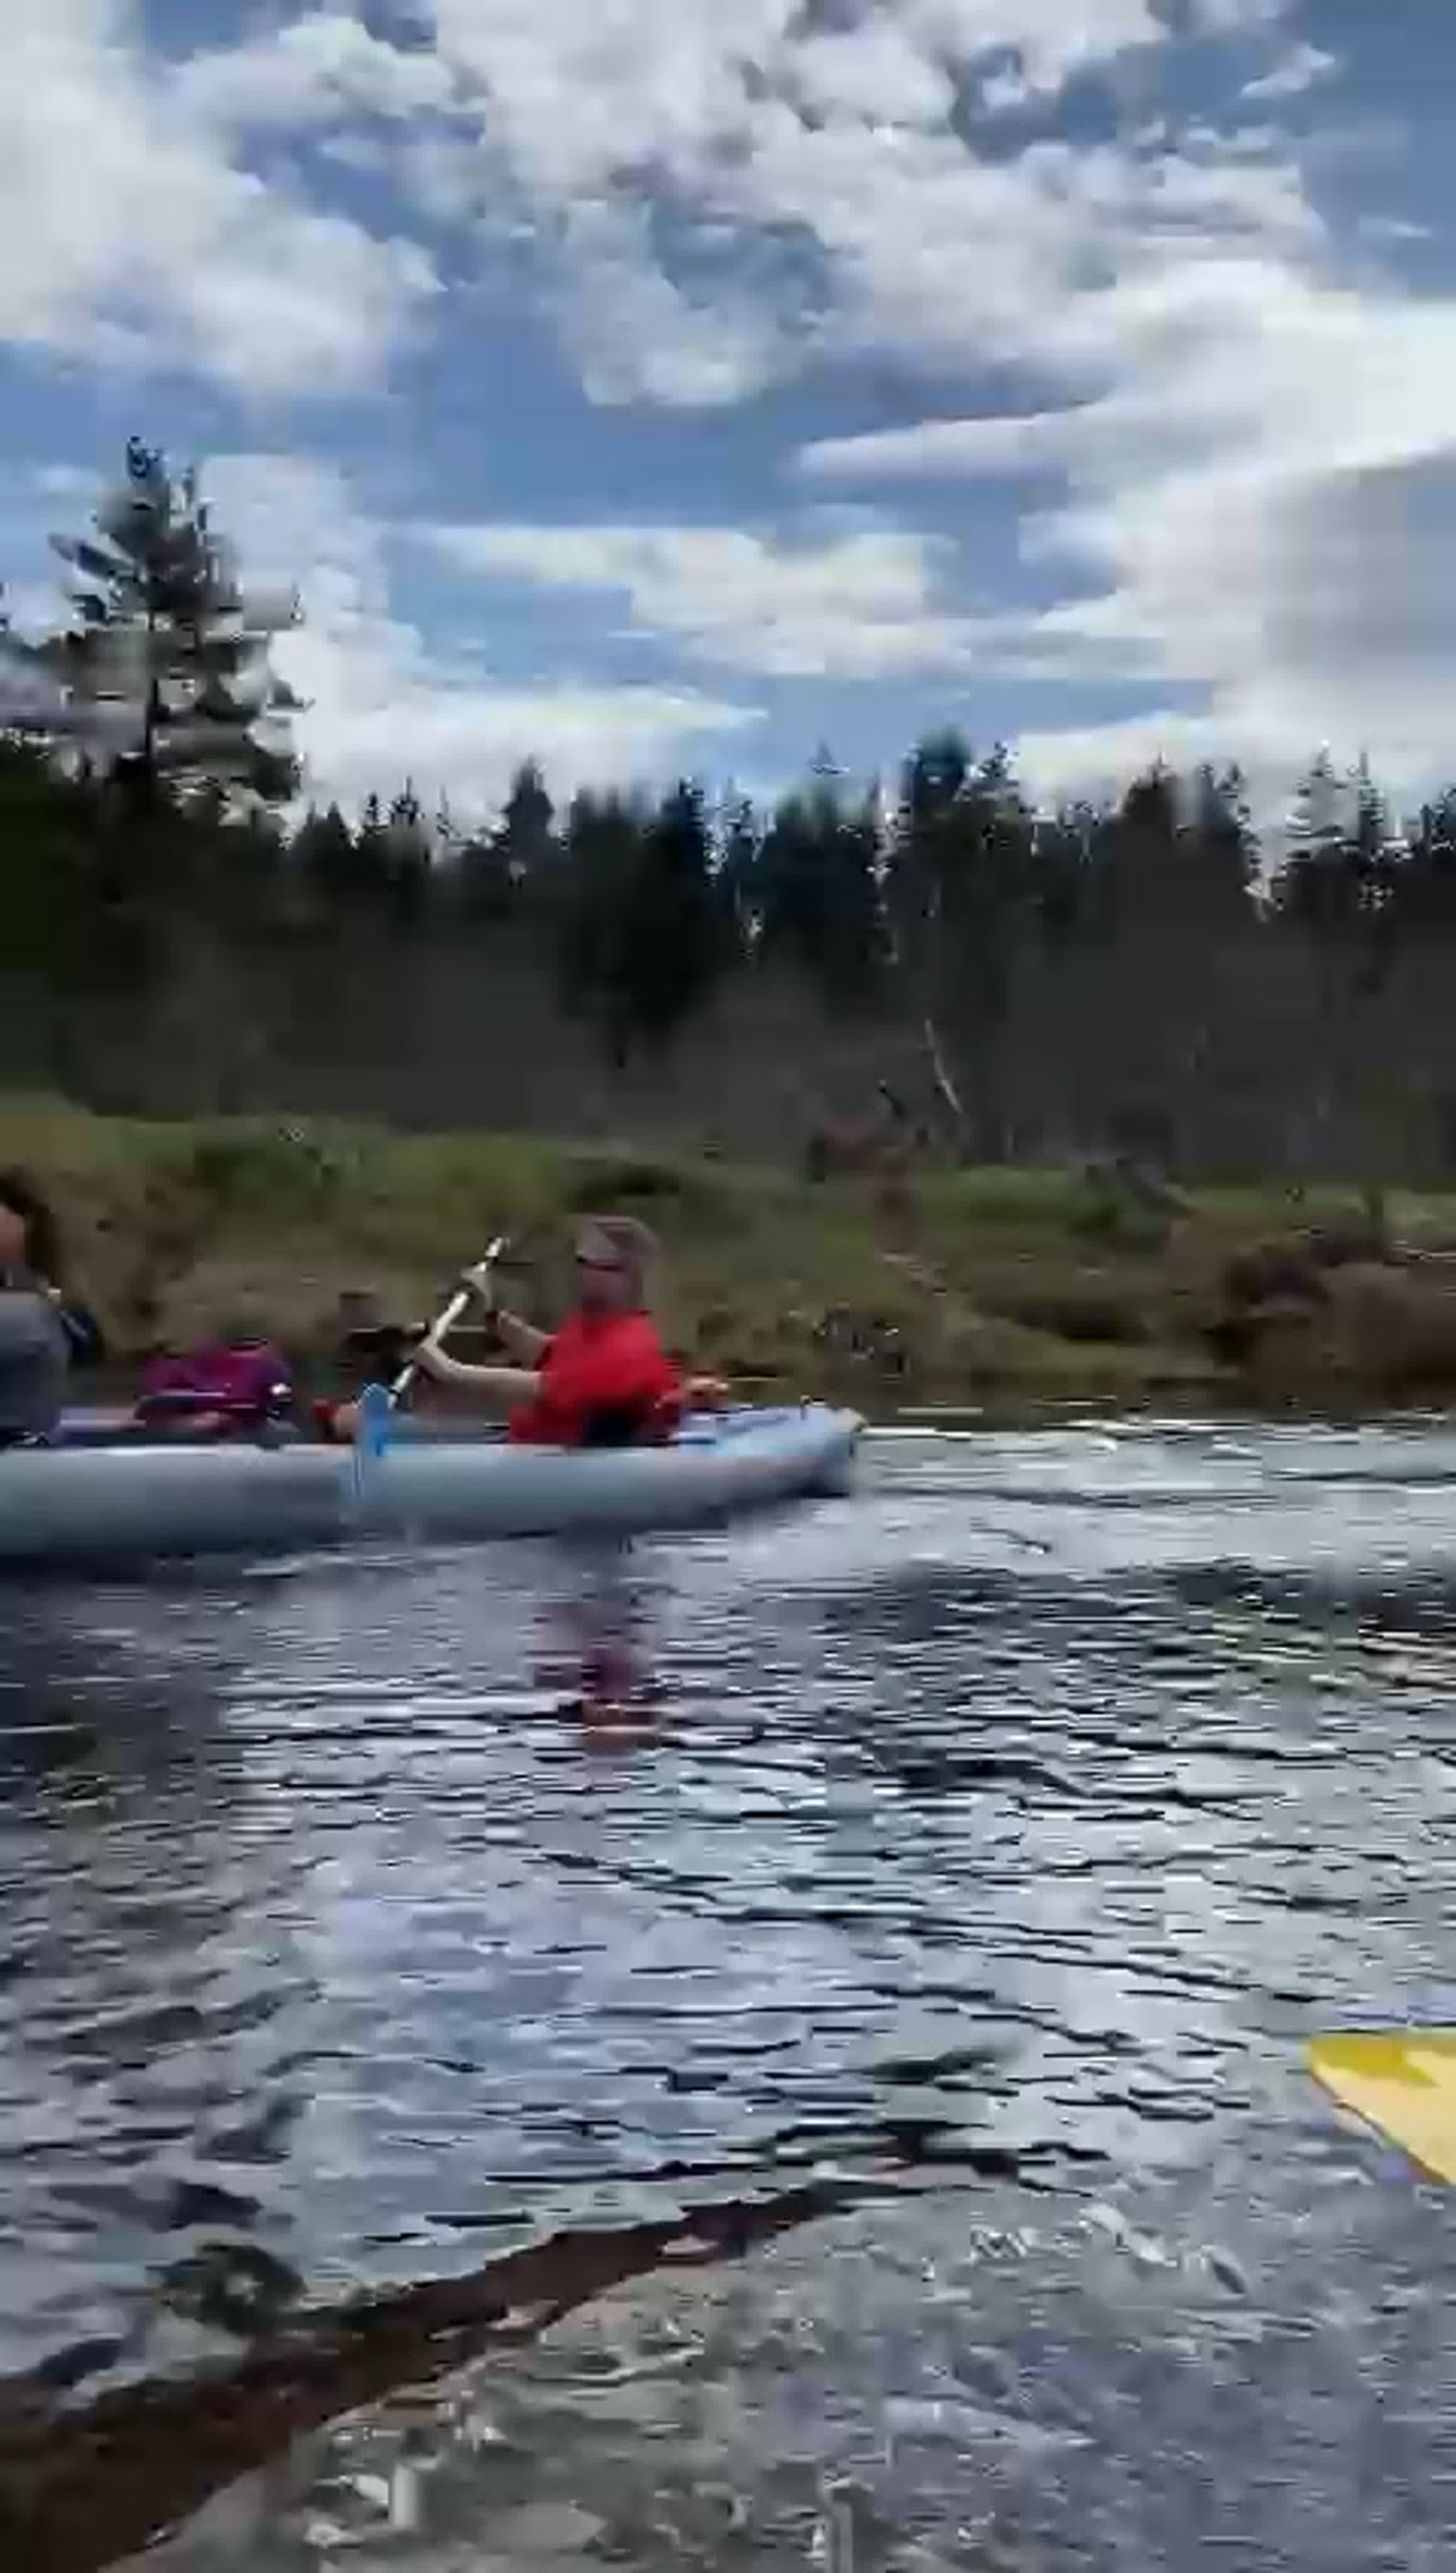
x,y
94,1500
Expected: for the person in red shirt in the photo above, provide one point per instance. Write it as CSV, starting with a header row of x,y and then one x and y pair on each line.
x,y
603,1378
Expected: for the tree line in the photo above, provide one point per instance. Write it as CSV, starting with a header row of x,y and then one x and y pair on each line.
x,y
180,930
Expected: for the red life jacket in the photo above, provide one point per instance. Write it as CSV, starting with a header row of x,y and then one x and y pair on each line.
x,y
605,1380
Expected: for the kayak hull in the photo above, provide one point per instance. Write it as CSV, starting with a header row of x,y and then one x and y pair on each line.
x,y
135,1501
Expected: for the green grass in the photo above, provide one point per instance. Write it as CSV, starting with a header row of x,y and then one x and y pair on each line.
x,y
991,1280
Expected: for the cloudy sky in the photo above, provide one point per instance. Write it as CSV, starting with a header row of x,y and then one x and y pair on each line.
x,y
662,383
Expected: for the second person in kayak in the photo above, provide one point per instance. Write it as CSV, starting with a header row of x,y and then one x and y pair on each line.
x,y
42,1335
603,1378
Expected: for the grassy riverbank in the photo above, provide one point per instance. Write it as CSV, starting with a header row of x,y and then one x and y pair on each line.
x,y
949,1285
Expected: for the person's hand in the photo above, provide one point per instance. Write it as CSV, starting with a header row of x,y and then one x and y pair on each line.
x,y
706,1393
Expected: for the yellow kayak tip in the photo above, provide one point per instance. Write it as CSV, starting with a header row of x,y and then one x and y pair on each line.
x,y
1402,2081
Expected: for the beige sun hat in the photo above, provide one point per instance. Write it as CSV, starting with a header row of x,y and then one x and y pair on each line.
x,y
621,1237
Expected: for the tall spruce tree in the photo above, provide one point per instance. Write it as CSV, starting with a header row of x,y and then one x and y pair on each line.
x,y
638,928
673,930
162,674
1317,886
736,878
960,897
407,858
588,920
817,891
500,873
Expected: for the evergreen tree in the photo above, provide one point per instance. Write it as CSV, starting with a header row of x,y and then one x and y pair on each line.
x,y
163,673
1423,888
324,858
602,839
524,840
1316,887
1218,878
500,872
1140,857
672,946
45,869
484,891
371,853
816,892
961,889
1343,876
1064,852
637,929
735,879
406,859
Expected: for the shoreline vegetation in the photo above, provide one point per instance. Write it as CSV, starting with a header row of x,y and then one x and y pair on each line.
x,y
900,1288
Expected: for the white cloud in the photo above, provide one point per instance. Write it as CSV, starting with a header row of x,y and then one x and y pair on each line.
x,y
637,336
382,703
877,72
1053,41
315,68
132,236
808,179
1238,17
1393,228
751,128
1244,431
1300,70
946,450
578,95
853,606
1265,509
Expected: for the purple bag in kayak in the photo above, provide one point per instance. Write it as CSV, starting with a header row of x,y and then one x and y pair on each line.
x,y
246,1382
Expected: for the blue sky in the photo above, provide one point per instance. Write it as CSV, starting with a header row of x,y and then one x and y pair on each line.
x,y
660,384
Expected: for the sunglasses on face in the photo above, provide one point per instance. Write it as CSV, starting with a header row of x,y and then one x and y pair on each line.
x,y
602,1267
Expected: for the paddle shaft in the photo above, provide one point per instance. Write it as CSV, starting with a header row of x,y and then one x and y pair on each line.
x,y
441,1328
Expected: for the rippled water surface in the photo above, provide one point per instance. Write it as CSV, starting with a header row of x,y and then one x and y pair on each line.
x,y
972,1857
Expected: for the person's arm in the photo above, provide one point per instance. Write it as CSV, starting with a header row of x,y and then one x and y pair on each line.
x,y
499,1384
527,1345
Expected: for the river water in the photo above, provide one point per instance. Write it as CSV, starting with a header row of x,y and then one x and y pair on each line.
x,y
851,1969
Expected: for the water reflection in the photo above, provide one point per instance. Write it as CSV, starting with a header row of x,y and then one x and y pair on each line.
x,y
147,2095
78,2490
595,1650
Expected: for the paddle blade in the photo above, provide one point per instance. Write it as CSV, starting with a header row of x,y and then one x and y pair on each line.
x,y
374,1411
1402,2082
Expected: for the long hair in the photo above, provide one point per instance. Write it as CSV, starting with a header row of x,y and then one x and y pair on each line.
x,y
42,1234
